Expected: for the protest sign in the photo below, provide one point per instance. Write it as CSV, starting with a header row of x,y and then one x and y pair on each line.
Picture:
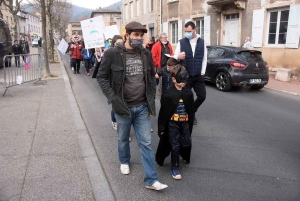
x,y
110,31
93,32
27,62
63,46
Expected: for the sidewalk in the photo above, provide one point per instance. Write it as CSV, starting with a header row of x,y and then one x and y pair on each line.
x,y
292,87
45,150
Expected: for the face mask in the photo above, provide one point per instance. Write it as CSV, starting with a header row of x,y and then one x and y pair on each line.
x,y
164,43
136,43
188,35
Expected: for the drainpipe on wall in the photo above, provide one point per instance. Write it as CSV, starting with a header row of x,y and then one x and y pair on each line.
x,y
218,37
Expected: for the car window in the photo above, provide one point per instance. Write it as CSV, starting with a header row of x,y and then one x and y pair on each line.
x,y
216,52
250,56
2,35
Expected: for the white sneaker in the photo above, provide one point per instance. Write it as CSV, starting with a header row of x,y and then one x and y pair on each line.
x,y
72,68
124,169
157,186
114,124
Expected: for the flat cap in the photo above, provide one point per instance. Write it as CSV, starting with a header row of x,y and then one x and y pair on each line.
x,y
131,26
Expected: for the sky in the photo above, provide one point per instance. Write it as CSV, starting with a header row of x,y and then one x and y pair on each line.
x,y
93,4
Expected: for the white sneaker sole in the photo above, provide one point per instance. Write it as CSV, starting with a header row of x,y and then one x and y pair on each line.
x,y
177,177
125,173
157,189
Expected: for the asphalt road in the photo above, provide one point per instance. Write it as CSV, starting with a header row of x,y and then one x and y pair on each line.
x,y
246,146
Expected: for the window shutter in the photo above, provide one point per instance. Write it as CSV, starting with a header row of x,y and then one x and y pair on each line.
x,y
207,30
165,27
293,31
257,28
179,29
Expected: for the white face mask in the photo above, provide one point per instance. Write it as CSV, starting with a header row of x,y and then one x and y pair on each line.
x,y
164,43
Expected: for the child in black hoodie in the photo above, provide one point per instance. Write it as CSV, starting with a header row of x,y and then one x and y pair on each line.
x,y
175,121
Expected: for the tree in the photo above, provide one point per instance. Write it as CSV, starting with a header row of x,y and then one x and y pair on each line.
x,y
1,8
44,45
14,9
62,13
54,15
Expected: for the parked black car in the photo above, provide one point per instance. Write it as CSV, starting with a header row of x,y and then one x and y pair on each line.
x,y
5,40
233,66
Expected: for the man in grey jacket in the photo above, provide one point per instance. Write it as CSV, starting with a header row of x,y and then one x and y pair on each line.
x,y
127,78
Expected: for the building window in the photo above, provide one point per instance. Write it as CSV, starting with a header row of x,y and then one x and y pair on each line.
x,y
200,27
151,32
138,7
151,5
131,10
174,28
278,25
232,16
145,6
126,11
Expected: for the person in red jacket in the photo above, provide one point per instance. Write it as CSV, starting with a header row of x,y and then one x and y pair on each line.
x,y
159,50
76,47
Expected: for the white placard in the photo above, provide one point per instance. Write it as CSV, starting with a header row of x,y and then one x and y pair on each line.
x,y
93,32
19,79
63,46
110,31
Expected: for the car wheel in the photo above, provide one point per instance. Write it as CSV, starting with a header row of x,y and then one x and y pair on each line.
x,y
257,87
223,81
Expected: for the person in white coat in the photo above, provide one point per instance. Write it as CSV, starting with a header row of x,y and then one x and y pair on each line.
x,y
248,43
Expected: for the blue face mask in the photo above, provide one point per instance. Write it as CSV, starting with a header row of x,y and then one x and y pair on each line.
x,y
188,35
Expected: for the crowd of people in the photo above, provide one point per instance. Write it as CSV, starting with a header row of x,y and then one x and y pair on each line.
x,y
128,73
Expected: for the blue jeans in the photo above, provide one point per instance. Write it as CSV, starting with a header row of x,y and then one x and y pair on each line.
x,y
140,119
112,114
17,61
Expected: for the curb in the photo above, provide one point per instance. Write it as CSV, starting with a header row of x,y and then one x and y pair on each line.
x,y
287,92
101,188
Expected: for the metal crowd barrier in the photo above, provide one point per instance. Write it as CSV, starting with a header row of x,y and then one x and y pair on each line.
x,y
22,68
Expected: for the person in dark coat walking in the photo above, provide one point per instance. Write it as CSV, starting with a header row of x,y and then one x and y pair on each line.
x,y
192,51
16,50
175,122
76,47
127,78
40,42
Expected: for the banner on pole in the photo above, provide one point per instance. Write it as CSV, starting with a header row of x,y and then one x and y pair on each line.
x,y
93,32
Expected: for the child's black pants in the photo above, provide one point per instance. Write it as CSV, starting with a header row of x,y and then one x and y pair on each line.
x,y
179,137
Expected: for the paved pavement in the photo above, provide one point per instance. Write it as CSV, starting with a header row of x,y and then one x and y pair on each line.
x,y
292,87
45,150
